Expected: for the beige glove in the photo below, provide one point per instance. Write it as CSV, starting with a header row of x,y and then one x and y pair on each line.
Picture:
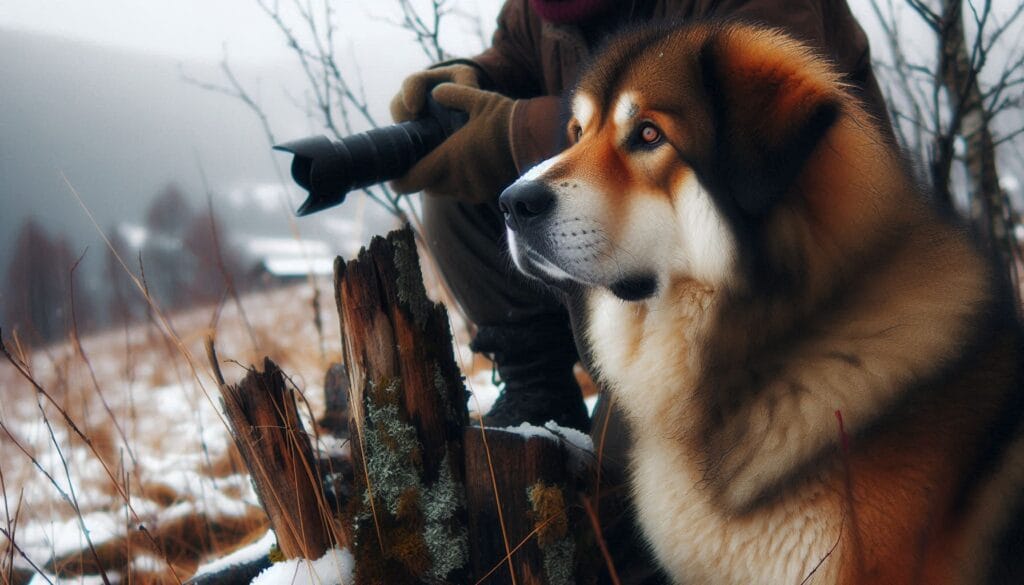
x,y
475,163
408,104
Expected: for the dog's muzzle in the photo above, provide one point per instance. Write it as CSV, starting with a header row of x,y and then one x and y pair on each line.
x,y
526,204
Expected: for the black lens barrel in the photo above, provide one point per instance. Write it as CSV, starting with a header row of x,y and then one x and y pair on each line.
x,y
387,153
330,169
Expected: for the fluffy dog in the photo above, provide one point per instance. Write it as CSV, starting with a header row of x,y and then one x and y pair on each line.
x,y
821,373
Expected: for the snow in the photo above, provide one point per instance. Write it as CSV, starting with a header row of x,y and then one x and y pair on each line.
x,y
175,445
247,553
482,391
334,568
577,439
267,197
552,431
278,247
39,579
299,266
134,235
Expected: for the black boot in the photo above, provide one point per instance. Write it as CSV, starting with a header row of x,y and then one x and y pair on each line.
x,y
535,364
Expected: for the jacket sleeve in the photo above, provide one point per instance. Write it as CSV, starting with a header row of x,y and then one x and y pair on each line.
x,y
511,65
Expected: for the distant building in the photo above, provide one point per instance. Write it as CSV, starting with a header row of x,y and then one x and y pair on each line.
x,y
284,260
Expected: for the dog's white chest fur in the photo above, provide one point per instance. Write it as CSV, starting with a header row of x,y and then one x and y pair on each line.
x,y
649,357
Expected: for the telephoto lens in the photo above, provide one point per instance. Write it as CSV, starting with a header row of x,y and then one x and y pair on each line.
x,y
330,169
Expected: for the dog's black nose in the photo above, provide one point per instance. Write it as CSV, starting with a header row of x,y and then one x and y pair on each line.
x,y
525,202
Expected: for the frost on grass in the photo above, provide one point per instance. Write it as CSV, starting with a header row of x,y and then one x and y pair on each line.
x,y
420,521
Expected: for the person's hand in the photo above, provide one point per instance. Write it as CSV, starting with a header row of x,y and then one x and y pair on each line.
x,y
411,99
475,163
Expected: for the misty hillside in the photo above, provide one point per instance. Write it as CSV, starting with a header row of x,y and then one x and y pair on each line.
x,y
122,126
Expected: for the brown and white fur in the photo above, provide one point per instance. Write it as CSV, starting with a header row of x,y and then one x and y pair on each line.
x,y
821,376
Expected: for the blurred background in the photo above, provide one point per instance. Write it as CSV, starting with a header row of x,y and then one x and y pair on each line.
x,y
142,211
141,108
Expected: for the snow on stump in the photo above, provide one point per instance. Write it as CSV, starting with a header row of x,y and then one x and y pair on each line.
x,y
407,414
540,475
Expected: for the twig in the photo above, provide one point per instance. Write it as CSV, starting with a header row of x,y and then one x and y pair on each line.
x,y
76,343
601,544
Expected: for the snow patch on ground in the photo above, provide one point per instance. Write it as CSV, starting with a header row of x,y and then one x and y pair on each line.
x,y
246,554
334,568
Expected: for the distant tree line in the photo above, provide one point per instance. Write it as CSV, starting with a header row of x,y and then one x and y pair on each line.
x,y
184,258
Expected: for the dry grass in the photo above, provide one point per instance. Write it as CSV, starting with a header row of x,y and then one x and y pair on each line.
x,y
117,463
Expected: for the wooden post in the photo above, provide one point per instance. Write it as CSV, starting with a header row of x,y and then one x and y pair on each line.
x,y
539,479
263,416
408,410
335,418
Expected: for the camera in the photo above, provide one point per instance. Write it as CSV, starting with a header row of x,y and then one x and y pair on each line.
x,y
329,169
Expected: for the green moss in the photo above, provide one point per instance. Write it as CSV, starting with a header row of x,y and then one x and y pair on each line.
x,y
419,523
455,412
275,555
391,449
410,281
551,522
446,538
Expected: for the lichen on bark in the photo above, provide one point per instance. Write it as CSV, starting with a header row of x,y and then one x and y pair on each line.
x,y
410,281
423,531
551,523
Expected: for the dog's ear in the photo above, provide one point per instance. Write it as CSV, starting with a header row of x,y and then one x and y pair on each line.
x,y
771,105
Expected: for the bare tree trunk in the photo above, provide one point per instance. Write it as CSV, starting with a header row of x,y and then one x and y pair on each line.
x,y
989,207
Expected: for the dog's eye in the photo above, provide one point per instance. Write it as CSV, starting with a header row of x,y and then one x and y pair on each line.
x,y
649,134
576,132
646,136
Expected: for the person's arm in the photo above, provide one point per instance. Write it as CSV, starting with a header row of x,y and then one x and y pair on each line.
x,y
511,65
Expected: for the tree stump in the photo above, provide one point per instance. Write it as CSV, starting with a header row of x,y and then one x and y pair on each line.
x,y
431,500
335,418
539,479
408,410
263,416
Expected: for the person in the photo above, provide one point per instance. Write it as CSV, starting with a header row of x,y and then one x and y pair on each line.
x,y
513,93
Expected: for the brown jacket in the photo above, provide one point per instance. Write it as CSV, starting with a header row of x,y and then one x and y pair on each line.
x,y
537,61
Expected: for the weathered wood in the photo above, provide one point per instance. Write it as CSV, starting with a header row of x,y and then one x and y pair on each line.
x,y
263,416
539,481
336,391
408,409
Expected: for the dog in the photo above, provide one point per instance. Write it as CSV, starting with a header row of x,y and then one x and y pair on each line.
x,y
821,373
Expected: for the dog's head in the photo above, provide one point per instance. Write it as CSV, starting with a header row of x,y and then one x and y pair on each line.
x,y
684,143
